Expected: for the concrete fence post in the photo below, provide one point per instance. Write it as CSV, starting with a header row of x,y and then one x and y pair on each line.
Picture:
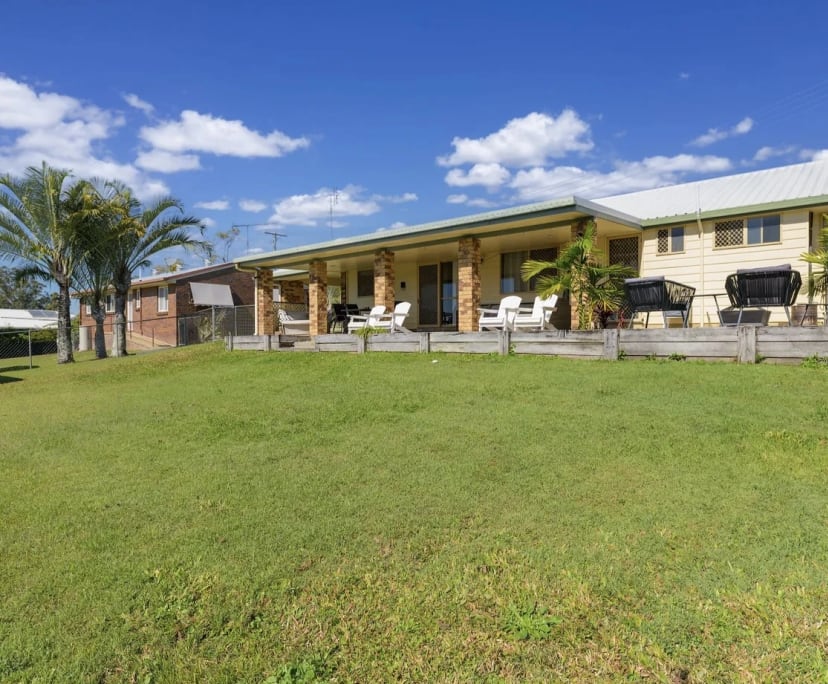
x,y
611,339
746,344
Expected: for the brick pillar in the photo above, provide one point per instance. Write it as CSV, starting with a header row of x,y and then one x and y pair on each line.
x,y
265,317
293,291
384,279
468,284
576,231
318,296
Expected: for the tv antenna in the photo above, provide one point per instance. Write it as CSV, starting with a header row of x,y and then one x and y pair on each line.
x,y
248,226
275,236
333,199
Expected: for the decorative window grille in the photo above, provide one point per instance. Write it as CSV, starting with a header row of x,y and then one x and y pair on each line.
x,y
624,251
728,233
663,241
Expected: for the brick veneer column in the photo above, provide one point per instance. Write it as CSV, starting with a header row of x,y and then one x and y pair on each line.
x,y
576,230
384,279
318,296
468,284
292,291
265,318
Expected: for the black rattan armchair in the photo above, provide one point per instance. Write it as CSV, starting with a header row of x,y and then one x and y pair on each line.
x,y
654,293
766,286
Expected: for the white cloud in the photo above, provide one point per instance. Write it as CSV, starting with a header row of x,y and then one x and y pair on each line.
x,y
487,175
715,135
134,101
764,153
64,132
254,250
457,199
195,132
398,224
480,202
167,162
527,141
254,206
561,181
684,75
821,155
213,205
397,199
210,223
315,209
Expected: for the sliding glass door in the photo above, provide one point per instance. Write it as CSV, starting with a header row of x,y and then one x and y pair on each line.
x,y
438,295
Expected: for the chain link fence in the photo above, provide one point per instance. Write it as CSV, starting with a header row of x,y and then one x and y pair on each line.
x,y
19,347
214,324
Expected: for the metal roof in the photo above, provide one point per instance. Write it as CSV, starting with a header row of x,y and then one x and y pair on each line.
x,y
28,319
785,186
445,228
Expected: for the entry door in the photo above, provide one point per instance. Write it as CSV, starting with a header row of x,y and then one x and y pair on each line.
x,y
438,295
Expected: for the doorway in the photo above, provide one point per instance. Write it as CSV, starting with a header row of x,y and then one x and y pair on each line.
x,y
438,295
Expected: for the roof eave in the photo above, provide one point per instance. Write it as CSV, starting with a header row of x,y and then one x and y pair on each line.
x,y
737,211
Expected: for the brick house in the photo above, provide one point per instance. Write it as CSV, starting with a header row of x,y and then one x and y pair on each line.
x,y
155,304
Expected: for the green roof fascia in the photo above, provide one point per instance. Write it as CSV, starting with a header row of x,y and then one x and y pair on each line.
x,y
387,237
737,211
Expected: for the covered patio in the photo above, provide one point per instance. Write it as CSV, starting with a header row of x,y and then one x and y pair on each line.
x,y
446,269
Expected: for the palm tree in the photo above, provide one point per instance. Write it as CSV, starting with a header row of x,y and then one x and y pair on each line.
x,y
142,233
818,280
596,289
38,226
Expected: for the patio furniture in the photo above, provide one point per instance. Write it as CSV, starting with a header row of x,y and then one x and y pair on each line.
x,y
539,317
358,322
293,326
502,318
655,293
393,321
753,288
339,319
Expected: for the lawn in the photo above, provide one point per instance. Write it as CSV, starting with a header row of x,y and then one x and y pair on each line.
x,y
195,515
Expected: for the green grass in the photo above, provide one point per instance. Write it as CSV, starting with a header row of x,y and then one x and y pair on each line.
x,y
201,516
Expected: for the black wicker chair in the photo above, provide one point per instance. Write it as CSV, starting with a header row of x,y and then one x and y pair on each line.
x,y
753,288
655,293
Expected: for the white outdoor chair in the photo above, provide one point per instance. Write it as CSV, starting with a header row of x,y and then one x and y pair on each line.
x,y
293,326
501,319
393,322
370,321
539,317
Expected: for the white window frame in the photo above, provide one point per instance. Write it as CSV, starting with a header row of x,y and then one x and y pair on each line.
x,y
137,299
746,221
87,308
109,303
672,233
163,298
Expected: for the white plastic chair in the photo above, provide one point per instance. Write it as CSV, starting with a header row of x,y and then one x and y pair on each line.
x,y
393,322
370,321
540,316
501,319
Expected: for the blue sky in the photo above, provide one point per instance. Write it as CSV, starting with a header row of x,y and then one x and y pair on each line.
x,y
402,113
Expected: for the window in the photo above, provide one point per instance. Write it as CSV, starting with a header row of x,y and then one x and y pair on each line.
x,y
365,283
753,231
163,299
109,303
87,308
510,265
671,240
137,299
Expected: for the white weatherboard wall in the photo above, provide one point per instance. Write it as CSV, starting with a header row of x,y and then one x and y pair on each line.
x,y
706,268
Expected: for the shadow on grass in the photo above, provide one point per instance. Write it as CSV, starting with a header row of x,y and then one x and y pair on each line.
x,y
4,379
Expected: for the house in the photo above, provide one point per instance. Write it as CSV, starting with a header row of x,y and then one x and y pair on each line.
x,y
157,304
695,233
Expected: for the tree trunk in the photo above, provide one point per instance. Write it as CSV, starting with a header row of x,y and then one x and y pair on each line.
x,y
119,331
99,314
64,329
